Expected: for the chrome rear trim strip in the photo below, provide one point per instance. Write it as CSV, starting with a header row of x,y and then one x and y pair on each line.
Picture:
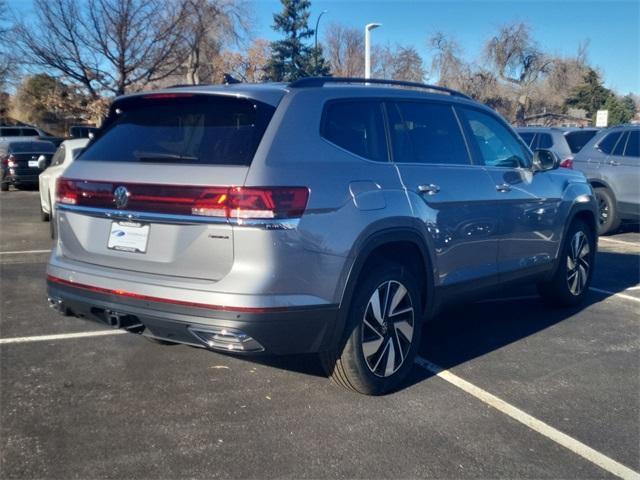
x,y
263,224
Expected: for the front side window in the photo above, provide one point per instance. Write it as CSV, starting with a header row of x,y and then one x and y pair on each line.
x,y
428,133
29,132
633,144
358,127
495,144
607,144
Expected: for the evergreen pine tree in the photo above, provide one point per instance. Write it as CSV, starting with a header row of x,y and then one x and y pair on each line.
x,y
292,58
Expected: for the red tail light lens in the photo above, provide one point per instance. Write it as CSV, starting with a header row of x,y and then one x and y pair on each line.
x,y
225,202
567,163
8,161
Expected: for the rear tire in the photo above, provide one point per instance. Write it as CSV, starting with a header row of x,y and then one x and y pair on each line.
x,y
608,218
383,330
570,283
4,187
44,216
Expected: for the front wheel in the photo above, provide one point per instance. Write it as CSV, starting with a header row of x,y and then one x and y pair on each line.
x,y
572,278
383,335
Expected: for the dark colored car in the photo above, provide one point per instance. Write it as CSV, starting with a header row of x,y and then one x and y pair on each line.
x,y
21,161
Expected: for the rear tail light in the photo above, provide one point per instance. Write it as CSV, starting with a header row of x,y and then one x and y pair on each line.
x,y
567,163
8,161
225,202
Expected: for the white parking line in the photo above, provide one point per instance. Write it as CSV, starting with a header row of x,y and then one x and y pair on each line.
x,y
62,336
621,242
614,294
19,252
577,447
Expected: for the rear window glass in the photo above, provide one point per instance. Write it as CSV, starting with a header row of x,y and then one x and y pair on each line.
x,y
578,139
633,144
32,147
545,140
527,137
358,127
182,128
608,142
10,132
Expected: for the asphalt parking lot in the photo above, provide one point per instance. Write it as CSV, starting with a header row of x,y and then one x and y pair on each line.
x,y
504,388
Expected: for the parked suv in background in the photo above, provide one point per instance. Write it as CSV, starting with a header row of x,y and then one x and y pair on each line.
x,y
565,142
326,215
611,163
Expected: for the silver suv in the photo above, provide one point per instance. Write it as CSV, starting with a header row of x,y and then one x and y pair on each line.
x,y
611,162
326,215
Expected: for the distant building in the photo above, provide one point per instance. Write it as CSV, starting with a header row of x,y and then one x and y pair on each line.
x,y
575,118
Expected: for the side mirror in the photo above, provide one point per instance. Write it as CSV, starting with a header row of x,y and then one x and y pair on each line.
x,y
42,162
544,160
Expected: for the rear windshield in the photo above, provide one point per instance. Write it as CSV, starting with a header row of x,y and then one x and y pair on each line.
x,y
579,139
32,147
182,128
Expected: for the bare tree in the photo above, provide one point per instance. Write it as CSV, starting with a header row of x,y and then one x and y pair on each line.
x,y
398,63
344,47
519,63
210,25
105,45
8,61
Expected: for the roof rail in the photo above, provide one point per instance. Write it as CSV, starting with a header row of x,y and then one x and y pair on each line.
x,y
320,81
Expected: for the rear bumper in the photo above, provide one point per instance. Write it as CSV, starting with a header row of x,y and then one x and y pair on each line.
x,y
17,179
280,331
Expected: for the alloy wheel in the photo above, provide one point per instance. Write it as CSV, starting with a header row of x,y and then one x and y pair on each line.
x,y
388,326
578,263
603,208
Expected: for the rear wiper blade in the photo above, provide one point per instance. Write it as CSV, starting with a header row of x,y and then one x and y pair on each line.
x,y
163,157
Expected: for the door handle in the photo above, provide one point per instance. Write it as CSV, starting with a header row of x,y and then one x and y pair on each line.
x,y
614,163
503,188
430,189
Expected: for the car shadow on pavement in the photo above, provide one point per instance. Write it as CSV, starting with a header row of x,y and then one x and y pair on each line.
x,y
472,330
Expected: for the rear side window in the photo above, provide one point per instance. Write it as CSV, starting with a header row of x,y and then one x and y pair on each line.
x,y
182,129
578,139
495,144
356,126
544,140
619,148
29,132
609,142
426,133
527,137
633,144
58,158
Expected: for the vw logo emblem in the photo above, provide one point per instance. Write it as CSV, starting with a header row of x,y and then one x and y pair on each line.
x,y
121,196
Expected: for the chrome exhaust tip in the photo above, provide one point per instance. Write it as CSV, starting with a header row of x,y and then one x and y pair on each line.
x,y
227,340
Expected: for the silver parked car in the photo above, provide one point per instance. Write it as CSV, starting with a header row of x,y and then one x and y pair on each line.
x,y
611,163
326,215
565,142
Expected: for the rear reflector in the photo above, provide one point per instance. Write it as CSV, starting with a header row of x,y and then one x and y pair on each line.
x,y
225,202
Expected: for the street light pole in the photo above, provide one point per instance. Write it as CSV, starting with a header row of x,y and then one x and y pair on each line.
x,y
315,49
367,48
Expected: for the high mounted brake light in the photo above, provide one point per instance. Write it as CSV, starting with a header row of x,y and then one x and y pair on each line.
x,y
225,202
